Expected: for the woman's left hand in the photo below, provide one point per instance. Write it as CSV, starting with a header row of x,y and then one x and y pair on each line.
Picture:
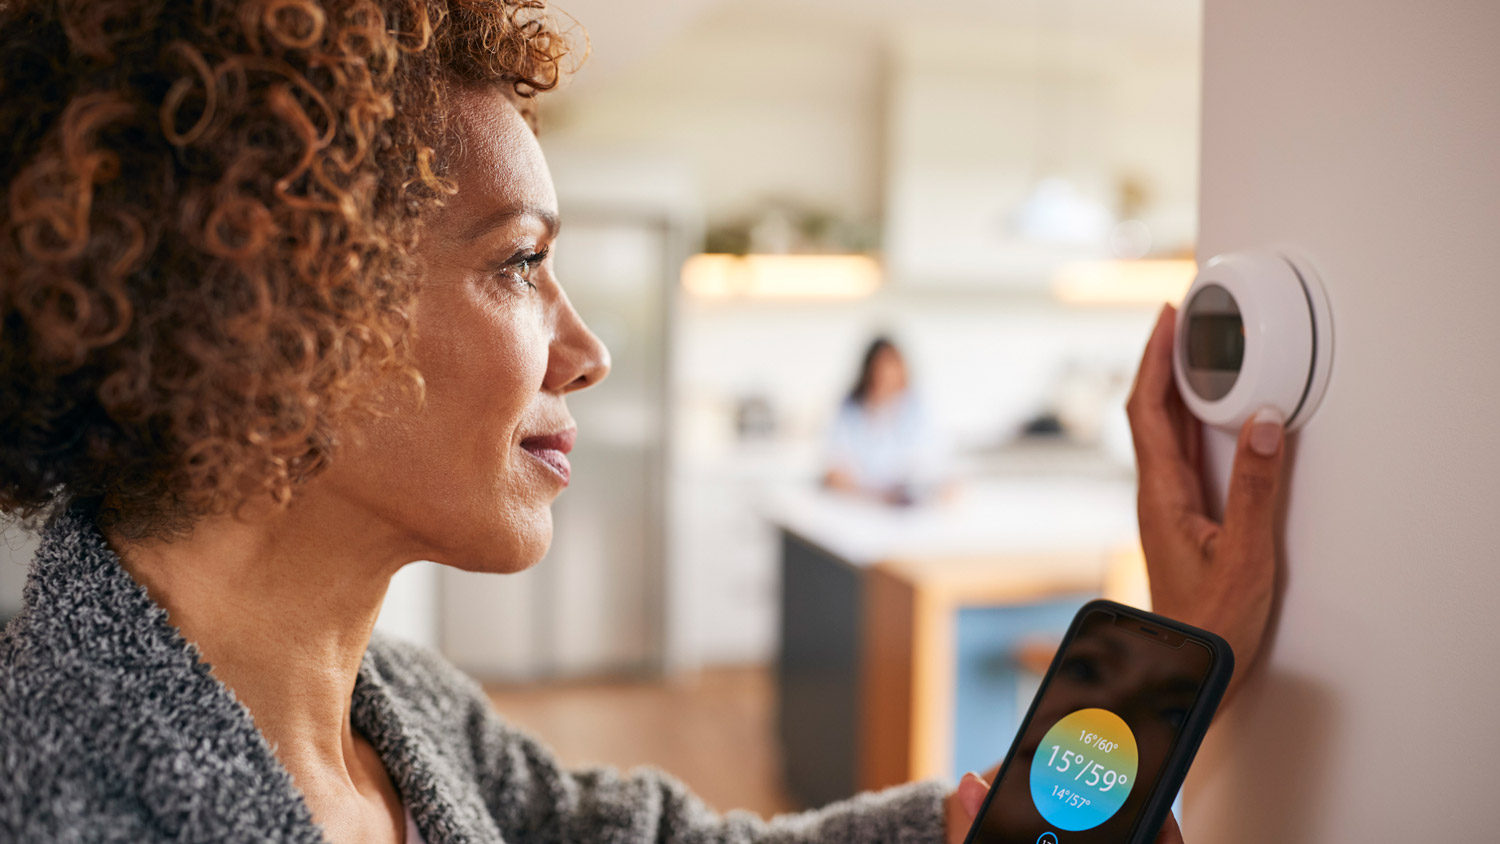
x,y
964,804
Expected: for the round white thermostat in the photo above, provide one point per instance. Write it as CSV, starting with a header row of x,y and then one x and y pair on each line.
x,y
1253,331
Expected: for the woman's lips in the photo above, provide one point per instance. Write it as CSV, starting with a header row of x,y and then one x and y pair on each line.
x,y
552,451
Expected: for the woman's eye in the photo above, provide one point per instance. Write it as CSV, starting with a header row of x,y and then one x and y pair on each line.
x,y
519,269
1081,669
523,273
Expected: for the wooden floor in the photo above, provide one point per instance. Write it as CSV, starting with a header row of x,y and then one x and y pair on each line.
x,y
715,731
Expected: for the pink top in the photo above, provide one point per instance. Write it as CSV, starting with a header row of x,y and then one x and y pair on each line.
x,y
413,835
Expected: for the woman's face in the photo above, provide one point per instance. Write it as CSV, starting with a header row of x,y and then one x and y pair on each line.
x,y
468,480
887,377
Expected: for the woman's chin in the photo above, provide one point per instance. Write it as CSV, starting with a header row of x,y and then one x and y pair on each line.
x,y
492,563
516,543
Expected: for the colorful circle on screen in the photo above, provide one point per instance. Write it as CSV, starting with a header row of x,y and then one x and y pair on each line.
x,y
1084,769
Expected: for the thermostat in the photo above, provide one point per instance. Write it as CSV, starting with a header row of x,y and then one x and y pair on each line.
x,y
1254,331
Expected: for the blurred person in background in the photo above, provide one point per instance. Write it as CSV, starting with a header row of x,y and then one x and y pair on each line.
x,y
881,444
278,317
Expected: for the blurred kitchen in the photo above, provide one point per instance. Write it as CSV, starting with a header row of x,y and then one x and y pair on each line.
x,y
752,193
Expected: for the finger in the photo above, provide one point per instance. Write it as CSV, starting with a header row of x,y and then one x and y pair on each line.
x,y
1190,438
971,794
1254,484
1170,833
1195,441
1191,430
1163,430
1150,405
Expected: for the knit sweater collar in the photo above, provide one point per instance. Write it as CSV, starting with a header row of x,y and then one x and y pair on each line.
x,y
179,740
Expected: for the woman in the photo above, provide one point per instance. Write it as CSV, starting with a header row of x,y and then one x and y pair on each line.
x,y
277,318
881,445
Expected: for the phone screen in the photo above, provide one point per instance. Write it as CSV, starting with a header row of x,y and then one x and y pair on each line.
x,y
1099,737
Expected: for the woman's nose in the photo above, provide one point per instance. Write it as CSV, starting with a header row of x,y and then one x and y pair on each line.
x,y
578,359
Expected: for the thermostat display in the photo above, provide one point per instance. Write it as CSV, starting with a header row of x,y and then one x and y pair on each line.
x,y
1084,769
1215,342
1254,332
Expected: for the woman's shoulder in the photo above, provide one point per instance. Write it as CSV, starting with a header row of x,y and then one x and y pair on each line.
x,y
112,729
430,695
407,665
411,698
424,683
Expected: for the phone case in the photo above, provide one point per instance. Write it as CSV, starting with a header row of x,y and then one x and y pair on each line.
x,y
1184,748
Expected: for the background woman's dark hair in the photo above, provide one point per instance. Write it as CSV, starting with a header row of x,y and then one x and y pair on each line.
x,y
867,365
209,215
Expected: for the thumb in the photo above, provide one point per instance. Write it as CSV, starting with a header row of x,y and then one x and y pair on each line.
x,y
971,793
1250,511
1170,834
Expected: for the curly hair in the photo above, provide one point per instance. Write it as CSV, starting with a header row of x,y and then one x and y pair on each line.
x,y
210,209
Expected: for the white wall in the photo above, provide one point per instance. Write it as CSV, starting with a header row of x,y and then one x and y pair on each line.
x,y
979,114
864,108
17,547
983,367
410,610
758,107
1367,132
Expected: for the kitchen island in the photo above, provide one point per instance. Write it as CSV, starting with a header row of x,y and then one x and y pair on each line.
x,y
901,628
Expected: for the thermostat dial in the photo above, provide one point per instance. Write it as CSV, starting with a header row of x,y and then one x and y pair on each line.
x,y
1253,332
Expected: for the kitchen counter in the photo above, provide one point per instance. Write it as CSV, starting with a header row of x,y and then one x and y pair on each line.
x,y
992,517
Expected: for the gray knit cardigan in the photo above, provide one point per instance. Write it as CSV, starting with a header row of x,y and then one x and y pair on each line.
x,y
112,729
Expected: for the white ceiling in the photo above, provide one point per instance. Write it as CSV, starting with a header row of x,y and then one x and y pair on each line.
x,y
622,32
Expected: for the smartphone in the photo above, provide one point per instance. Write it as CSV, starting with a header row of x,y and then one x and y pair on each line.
x,y
1111,733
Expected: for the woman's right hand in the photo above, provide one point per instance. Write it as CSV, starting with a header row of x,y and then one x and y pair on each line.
x,y
1218,576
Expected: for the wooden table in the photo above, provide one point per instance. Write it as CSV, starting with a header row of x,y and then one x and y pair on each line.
x,y
868,667
908,670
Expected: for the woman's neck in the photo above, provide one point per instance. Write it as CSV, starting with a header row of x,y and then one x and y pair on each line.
x,y
877,404
281,605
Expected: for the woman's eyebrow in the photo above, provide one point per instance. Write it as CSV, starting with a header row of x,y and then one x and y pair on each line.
x,y
489,223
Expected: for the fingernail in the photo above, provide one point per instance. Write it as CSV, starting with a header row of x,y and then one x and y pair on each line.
x,y
1266,431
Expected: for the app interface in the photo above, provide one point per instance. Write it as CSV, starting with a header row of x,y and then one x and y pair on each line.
x,y
1099,737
